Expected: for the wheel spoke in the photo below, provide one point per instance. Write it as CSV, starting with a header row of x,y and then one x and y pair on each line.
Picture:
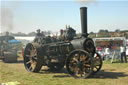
x,y
96,67
30,68
34,58
81,73
29,49
27,55
29,62
76,70
32,48
33,64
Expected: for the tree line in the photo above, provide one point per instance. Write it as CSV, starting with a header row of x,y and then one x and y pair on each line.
x,y
100,33
27,34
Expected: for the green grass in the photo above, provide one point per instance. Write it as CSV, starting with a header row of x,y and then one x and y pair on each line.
x,y
110,74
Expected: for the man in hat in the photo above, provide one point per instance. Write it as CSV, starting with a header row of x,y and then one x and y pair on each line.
x,y
38,35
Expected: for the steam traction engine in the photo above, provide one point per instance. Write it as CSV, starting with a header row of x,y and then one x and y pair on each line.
x,y
78,54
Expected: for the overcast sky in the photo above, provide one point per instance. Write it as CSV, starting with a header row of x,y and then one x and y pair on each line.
x,y
29,15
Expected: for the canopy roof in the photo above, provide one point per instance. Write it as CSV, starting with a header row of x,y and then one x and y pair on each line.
x,y
14,41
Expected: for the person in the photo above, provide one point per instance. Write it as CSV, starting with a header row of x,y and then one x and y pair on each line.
x,y
53,38
62,32
38,35
42,34
107,53
70,33
101,53
6,37
123,53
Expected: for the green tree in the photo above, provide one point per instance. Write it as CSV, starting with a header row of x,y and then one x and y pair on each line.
x,y
117,30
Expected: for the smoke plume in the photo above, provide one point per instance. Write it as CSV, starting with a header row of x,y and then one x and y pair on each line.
x,y
7,9
85,2
6,19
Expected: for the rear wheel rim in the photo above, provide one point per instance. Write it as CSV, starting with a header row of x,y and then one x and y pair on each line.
x,y
30,57
97,63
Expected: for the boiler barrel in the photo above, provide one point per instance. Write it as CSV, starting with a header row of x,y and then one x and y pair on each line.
x,y
78,43
83,43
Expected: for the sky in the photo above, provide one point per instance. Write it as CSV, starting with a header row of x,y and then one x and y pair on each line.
x,y
29,15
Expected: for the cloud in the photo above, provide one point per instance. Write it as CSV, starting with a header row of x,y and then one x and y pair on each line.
x,y
85,2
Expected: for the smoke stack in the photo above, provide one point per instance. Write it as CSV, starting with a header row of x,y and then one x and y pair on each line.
x,y
83,12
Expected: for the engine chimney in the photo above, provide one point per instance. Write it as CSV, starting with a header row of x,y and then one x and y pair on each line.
x,y
83,12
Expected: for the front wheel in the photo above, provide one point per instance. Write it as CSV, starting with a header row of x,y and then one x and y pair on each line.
x,y
79,64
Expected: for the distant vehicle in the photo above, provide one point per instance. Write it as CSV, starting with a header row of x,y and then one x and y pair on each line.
x,y
8,52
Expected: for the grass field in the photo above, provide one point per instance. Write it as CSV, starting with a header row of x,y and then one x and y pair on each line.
x,y
110,74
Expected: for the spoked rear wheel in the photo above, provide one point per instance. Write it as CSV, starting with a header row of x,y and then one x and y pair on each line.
x,y
79,64
97,63
32,60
